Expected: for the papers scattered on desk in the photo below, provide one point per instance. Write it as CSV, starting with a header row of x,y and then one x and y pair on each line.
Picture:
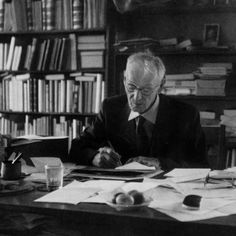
x,y
38,174
223,174
179,175
135,166
40,162
73,193
168,201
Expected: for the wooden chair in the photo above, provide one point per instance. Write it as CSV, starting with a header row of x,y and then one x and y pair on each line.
x,y
216,148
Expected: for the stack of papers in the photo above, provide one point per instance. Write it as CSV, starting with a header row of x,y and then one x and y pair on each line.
x,y
179,175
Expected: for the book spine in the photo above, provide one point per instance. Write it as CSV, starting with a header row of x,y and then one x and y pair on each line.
x,y
29,14
77,14
50,10
44,14
2,15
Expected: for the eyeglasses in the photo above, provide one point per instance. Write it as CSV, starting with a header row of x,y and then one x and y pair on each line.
x,y
144,91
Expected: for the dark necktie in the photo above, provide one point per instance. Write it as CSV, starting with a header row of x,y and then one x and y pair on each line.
x,y
142,137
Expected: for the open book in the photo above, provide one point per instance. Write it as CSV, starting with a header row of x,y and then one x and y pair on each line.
x,y
121,173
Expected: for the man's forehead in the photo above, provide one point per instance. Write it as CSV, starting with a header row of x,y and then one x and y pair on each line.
x,y
138,68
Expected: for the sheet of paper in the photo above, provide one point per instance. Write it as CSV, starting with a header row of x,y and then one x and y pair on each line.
x,y
68,195
166,183
169,202
139,186
179,172
135,166
228,193
188,216
36,177
28,169
108,194
40,162
184,175
104,185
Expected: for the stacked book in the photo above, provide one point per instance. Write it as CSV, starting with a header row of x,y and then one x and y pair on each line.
x,y
211,78
141,44
208,118
39,54
136,44
52,93
229,120
180,84
23,15
91,49
173,44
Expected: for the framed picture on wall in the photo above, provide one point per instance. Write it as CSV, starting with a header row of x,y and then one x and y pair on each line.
x,y
211,35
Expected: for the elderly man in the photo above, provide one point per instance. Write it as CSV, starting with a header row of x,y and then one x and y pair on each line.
x,y
143,125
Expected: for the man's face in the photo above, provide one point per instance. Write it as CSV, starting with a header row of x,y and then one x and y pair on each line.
x,y
141,86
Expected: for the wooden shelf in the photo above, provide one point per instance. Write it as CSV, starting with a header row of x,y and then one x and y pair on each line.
x,y
186,53
87,70
56,32
49,113
204,98
153,9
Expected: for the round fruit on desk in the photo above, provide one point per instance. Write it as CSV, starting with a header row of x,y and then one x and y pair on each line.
x,y
137,196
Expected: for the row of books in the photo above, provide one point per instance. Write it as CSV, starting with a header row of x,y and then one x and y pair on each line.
x,y
229,120
196,87
91,50
45,126
209,118
52,93
23,15
208,80
230,158
39,54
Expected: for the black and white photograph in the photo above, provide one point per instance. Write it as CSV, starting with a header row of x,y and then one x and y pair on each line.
x,y
117,118
211,35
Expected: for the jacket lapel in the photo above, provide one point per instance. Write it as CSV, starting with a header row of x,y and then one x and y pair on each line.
x,y
164,125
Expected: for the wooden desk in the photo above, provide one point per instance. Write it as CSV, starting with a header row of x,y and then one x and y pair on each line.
x,y
100,219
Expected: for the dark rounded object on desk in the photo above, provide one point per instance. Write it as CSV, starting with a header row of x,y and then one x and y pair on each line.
x,y
192,201
11,171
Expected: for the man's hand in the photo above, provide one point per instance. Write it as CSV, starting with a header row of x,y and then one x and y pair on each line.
x,y
148,161
106,158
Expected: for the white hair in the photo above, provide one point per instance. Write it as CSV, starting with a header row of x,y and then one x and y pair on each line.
x,y
149,62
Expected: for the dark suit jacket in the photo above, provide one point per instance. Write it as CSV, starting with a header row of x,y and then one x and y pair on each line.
x,y
177,139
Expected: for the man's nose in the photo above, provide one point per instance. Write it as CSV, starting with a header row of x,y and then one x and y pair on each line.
x,y
137,95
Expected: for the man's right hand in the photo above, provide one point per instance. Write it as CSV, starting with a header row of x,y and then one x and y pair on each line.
x,y
106,158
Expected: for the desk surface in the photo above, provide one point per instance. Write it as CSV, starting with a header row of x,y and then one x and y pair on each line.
x,y
105,220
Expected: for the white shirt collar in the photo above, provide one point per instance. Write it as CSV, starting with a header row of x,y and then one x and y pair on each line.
x,y
149,115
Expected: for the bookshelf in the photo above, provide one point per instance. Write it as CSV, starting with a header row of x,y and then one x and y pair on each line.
x,y
53,65
180,21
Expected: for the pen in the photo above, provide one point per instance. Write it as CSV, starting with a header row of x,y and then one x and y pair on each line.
x,y
17,158
111,146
